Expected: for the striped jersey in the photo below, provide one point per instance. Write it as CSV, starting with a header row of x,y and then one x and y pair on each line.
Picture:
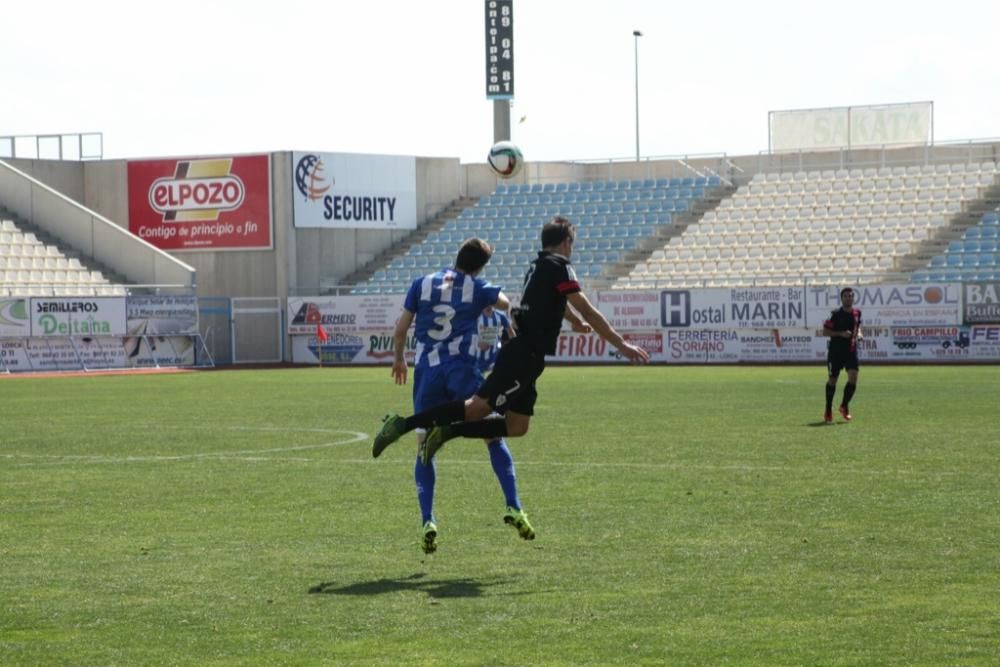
x,y
447,305
490,328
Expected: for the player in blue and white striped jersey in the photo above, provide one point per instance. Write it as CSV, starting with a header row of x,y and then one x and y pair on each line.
x,y
492,327
447,308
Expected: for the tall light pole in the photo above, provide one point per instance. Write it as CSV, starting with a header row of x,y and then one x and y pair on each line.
x,y
637,34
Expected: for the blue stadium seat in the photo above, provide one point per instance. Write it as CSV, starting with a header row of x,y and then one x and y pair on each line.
x,y
952,275
955,247
988,245
714,181
954,260
989,233
586,186
972,233
990,218
970,246
987,259
501,189
921,276
937,262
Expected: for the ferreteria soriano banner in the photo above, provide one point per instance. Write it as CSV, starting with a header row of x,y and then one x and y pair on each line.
x,y
739,308
214,203
982,303
350,191
905,305
344,314
78,316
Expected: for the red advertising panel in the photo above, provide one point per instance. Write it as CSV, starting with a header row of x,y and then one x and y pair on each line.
x,y
216,203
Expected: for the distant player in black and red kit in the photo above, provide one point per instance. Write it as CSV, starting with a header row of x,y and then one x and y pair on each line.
x,y
844,331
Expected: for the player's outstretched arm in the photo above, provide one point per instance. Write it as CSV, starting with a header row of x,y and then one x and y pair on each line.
x,y
578,325
503,303
582,304
399,346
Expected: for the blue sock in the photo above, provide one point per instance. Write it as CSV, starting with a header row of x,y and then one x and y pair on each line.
x,y
425,477
503,466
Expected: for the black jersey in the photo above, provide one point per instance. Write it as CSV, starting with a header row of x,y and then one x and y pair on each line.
x,y
543,302
844,320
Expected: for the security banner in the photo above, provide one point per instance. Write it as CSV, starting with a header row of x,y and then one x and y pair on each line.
x,y
350,191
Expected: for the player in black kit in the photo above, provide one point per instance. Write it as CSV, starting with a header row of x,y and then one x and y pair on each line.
x,y
549,285
844,331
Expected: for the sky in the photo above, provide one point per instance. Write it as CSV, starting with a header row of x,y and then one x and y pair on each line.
x,y
400,77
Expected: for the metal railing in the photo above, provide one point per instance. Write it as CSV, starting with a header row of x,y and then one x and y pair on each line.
x,y
68,146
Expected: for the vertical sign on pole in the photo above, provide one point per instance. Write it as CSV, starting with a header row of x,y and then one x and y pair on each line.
x,y
499,49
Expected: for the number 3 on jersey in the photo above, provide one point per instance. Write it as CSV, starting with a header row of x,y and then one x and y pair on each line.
x,y
443,322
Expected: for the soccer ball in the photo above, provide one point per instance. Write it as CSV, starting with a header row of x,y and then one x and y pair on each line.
x,y
505,159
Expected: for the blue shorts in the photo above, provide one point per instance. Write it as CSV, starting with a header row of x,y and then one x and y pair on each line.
x,y
435,385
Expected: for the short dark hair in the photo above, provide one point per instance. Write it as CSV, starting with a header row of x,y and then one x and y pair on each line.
x,y
557,230
846,290
473,255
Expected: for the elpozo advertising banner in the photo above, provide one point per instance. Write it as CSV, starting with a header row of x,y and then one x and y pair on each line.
x,y
212,203
78,316
736,308
982,303
351,191
907,304
14,320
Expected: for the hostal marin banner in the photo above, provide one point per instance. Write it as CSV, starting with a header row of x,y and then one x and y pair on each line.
x,y
348,191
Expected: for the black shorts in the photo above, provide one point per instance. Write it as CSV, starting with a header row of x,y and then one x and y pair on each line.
x,y
842,360
511,385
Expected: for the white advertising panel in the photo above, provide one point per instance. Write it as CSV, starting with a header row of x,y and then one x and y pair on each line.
x,y
78,316
738,308
984,342
60,354
14,320
344,314
907,304
360,347
352,191
148,315
843,127
982,303
630,310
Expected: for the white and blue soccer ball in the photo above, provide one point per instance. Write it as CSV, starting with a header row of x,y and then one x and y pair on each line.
x,y
505,159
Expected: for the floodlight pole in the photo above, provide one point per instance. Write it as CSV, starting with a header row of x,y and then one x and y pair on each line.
x,y
637,34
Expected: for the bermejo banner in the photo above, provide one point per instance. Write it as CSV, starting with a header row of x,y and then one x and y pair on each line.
x,y
350,191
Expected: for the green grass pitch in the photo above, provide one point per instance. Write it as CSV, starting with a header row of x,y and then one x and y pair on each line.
x,y
685,516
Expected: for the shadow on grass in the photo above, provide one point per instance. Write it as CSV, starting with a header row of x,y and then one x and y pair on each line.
x,y
446,588
823,423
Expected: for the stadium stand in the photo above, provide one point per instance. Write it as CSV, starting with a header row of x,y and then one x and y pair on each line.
x,y
974,256
822,225
614,219
31,267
